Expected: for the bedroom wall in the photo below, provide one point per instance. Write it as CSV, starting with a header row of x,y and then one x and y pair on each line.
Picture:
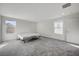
x,y
0,30
46,28
25,26
21,26
71,28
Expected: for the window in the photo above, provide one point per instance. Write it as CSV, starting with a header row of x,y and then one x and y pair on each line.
x,y
10,26
58,27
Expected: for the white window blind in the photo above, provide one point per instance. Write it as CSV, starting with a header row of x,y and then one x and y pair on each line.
x,y
58,27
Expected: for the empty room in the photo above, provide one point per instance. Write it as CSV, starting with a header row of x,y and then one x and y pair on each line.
x,y
39,29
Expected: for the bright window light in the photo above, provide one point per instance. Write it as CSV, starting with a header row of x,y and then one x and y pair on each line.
x,y
58,27
10,26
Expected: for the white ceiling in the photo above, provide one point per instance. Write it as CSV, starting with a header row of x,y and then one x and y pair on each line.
x,y
34,11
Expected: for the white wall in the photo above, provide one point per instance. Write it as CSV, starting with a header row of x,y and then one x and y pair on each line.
x,y
71,28
25,26
0,30
47,29
21,26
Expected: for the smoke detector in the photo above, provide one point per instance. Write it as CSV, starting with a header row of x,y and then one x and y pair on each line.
x,y
66,5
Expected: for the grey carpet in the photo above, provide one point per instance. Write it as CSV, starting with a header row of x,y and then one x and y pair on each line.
x,y
41,47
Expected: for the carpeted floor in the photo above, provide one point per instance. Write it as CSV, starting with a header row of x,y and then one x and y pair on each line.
x,y
41,47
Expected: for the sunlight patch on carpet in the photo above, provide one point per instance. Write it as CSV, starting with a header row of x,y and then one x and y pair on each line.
x,y
74,45
3,45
